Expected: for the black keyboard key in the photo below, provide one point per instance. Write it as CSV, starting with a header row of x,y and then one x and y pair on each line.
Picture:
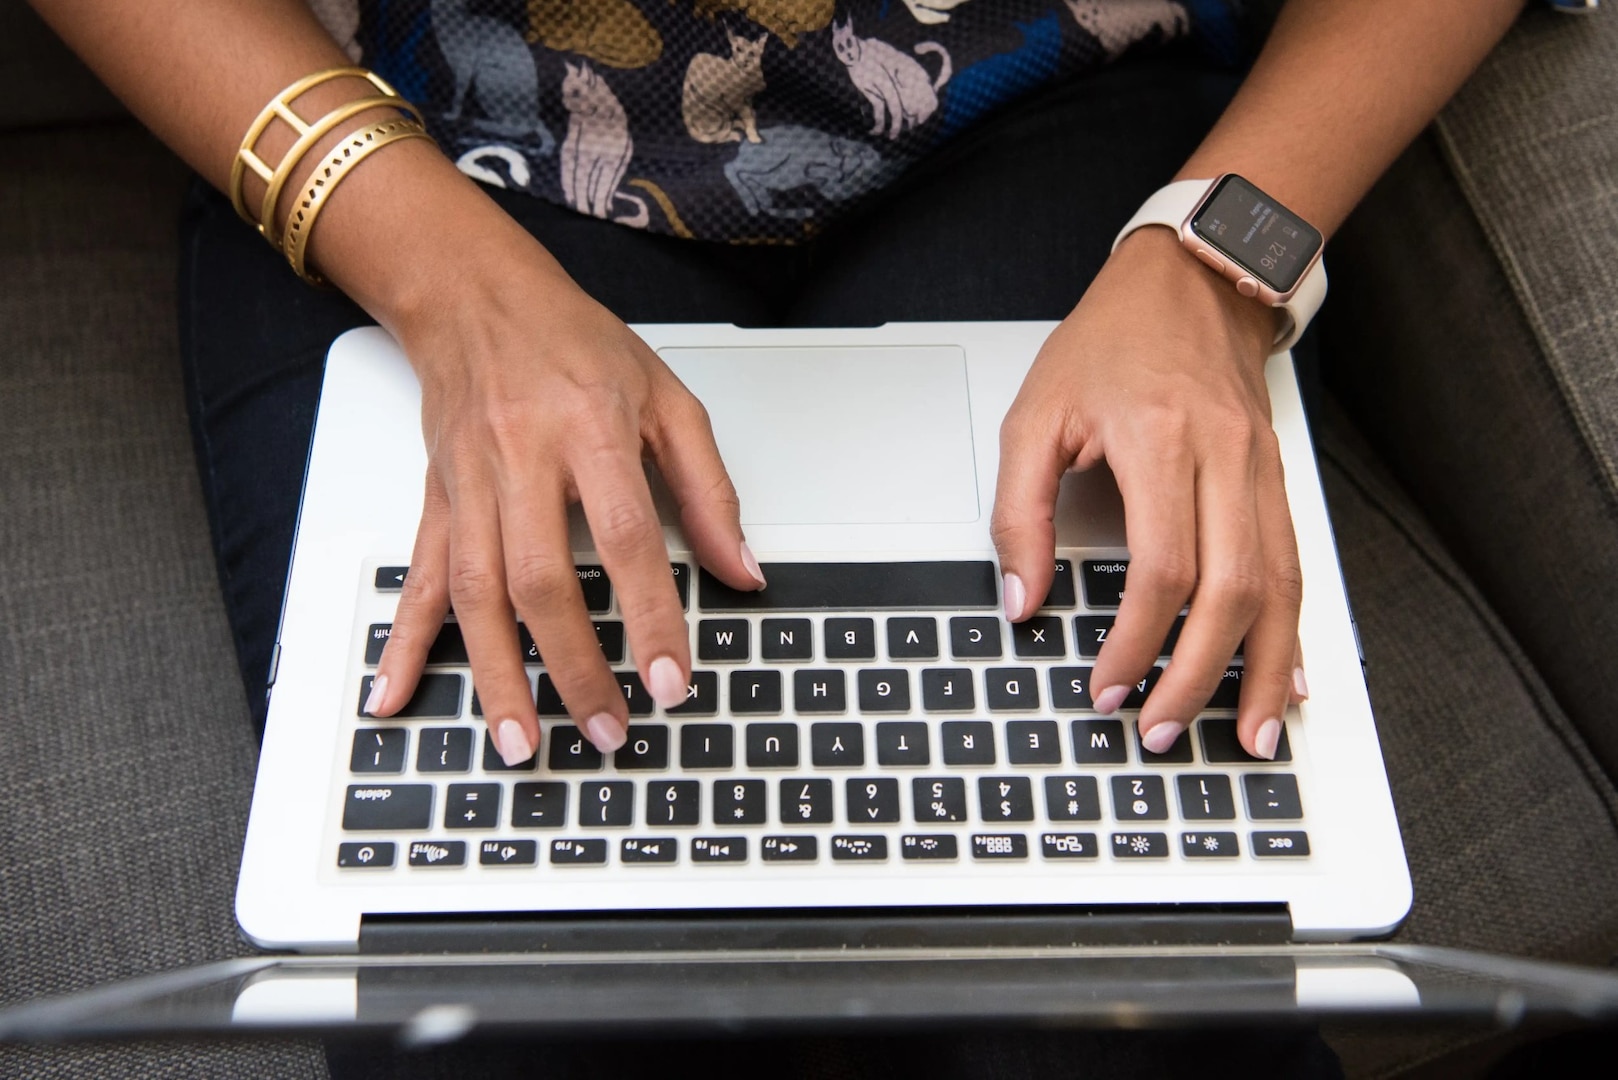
x,y
1139,798
1272,796
1103,582
786,639
447,648
579,852
372,807
755,691
1039,638
967,742
872,801
947,690
354,855
646,746
999,846
1291,844
1139,692
1070,689
1005,798
1014,688
444,749
472,806
974,637
701,695
494,763
597,589
508,853
913,638
833,746
1209,845
1228,694
1140,845
379,750
375,640
819,691
1072,798
884,690
1033,742
938,798
1069,845
540,805
673,802
1090,633
901,742
606,803
928,847
436,697
805,802
1219,745
876,586
1178,753
790,849
719,849
772,746
682,583
438,853
872,848
391,578
1205,797
1099,742
724,641
611,637
1061,594
738,802
657,849
636,696
547,702
707,746
850,639
571,752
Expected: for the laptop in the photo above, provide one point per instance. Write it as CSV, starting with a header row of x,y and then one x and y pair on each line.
x,y
868,752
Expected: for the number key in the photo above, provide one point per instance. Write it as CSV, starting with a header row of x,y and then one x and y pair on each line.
x,y
806,801
1139,798
738,802
674,802
938,798
873,801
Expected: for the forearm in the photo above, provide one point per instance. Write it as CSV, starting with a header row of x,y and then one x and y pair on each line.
x,y
1340,90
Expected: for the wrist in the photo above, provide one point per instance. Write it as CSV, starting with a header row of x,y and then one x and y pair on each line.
x,y
1155,253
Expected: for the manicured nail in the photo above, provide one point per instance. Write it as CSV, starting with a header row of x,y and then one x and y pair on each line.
x,y
1108,700
512,742
1016,596
1162,736
1300,685
379,690
663,678
606,732
750,561
1268,737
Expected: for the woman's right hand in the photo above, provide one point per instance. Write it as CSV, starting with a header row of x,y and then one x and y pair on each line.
x,y
535,397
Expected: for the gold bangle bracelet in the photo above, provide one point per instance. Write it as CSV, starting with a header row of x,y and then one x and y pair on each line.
x,y
281,106
307,138
324,180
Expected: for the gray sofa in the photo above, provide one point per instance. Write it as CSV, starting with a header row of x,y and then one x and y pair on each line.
x,y
1469,443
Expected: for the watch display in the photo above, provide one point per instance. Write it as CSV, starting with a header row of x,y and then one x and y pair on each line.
x,y
1259,234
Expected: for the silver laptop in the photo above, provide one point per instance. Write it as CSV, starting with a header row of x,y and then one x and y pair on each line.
x,y
867,747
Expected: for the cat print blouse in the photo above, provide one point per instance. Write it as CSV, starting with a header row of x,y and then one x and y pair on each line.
x,y
747,121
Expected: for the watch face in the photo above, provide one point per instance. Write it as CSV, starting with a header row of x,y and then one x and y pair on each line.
x,y
1259,234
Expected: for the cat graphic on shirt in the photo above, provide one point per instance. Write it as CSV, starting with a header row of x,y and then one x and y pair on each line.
x,y
494,66
900,93
1118,24
717,99
595,154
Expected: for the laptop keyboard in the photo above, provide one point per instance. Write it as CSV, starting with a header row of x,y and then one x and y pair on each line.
x,y
852,713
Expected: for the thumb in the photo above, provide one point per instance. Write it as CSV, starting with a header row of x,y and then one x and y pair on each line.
x,y
1031,468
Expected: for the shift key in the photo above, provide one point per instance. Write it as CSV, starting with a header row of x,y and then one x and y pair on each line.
x,y
372,807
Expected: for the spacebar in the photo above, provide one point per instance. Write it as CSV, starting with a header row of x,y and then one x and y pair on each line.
x,y
850,586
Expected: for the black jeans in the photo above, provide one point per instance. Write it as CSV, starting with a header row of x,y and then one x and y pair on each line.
x,y
1011,221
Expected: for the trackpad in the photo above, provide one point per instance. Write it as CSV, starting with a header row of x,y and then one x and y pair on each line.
x,y
840,436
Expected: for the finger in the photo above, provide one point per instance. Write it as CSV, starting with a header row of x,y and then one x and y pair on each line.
x,y
1032,461
477,588
544,585
1230,589
423,604
683,446
1271,655
1300,684
1157,482
629,539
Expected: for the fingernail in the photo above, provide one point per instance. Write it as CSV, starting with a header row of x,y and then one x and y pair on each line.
x,y
605,731
750,561
1109,699
379,690
1267,739
1161,737
512,742
1300,685
665,682
1016,596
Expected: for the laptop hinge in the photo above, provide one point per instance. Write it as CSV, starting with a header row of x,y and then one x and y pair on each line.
x,y
798,929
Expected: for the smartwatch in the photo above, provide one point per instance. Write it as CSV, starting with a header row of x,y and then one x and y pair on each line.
x,y
1270,253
